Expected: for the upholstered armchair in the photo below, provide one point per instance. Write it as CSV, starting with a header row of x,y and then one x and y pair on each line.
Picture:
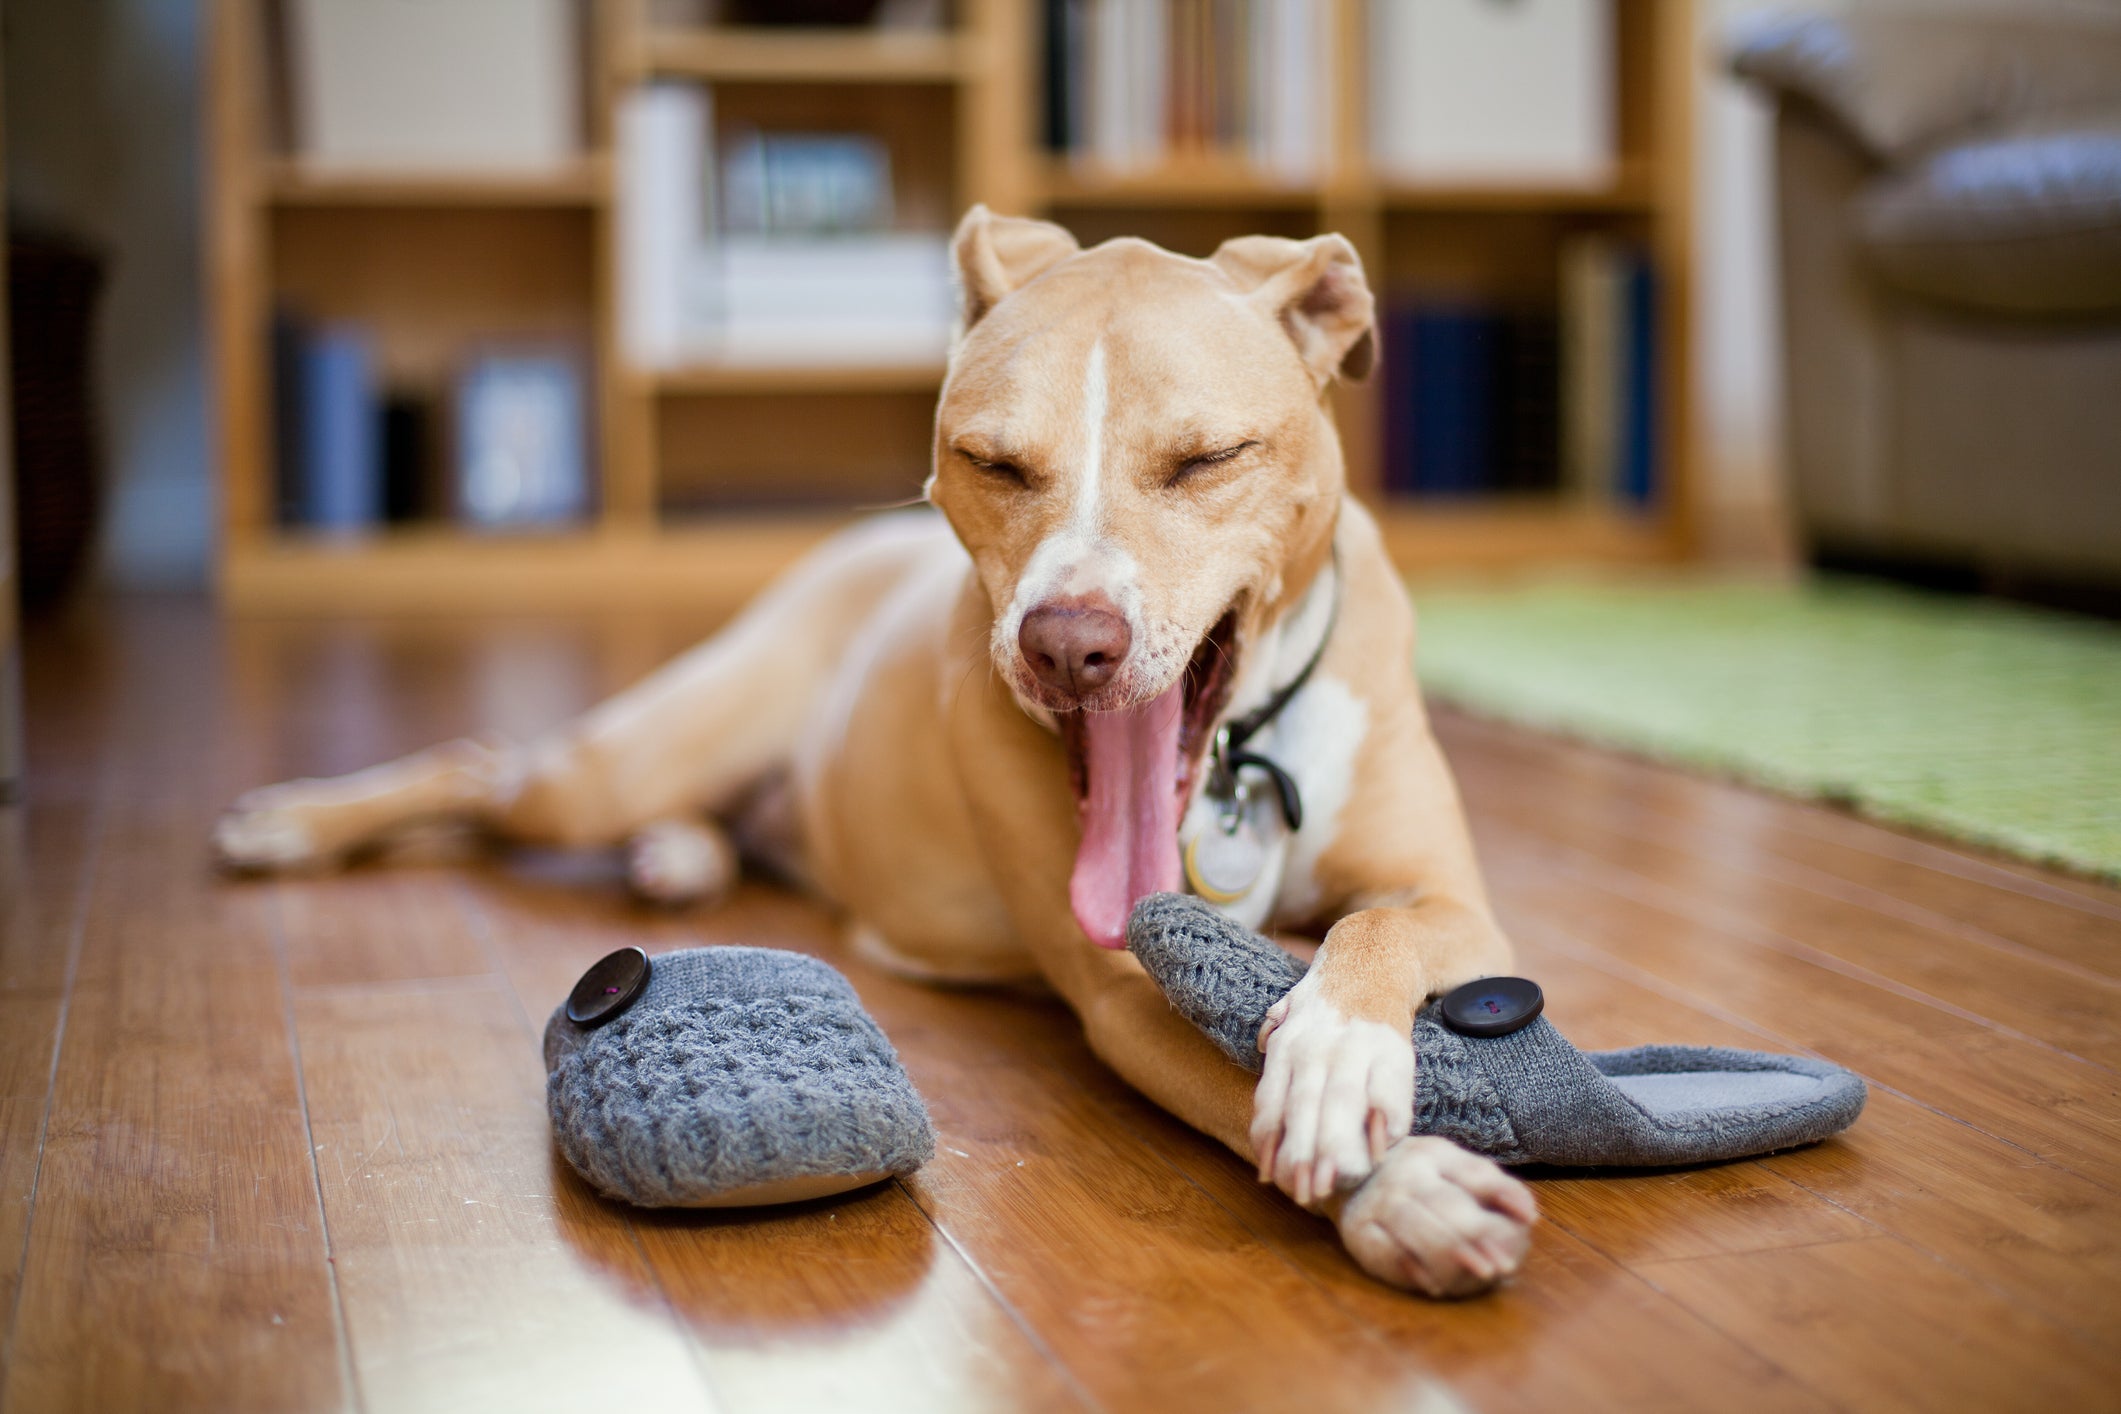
x,y
1949,195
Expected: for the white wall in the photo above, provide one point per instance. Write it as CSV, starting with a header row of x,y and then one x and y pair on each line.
x,y
1737,330
103,138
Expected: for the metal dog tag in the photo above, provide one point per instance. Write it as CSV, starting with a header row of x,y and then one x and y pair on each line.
x,y
1222,868
1225,859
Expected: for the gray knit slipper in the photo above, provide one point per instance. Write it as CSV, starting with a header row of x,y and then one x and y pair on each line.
x,y
1527,1096
724,1077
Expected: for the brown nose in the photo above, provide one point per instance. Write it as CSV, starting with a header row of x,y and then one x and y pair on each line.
x,y
1074,647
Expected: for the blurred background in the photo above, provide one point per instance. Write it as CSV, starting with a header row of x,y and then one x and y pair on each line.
x,y
435,305
405,270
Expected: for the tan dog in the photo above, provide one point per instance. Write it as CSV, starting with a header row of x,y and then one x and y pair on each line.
x,y
985,761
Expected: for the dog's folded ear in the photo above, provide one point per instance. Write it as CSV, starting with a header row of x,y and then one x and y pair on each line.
x,y
997,254
1317,292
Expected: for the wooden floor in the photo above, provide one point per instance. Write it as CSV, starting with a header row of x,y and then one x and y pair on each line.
x,y
283,1145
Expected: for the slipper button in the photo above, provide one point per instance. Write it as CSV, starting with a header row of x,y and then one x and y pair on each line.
x,y
608,987
1493,1006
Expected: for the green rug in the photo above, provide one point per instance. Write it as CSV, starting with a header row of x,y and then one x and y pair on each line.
x,y
1973,719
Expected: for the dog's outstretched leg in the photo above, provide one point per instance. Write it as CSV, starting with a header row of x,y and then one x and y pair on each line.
x,y
686,741
312,824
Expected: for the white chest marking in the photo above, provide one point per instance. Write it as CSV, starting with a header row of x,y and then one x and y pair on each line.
x,y
1317,739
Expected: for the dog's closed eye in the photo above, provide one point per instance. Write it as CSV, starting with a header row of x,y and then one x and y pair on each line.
x,y
1000,470
1194,465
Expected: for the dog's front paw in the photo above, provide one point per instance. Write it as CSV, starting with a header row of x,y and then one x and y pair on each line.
x,y
1335,1091
1437,1219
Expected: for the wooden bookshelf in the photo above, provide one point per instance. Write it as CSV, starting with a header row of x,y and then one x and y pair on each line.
x,y
289,183
494,254
1229,183
796,378
816,56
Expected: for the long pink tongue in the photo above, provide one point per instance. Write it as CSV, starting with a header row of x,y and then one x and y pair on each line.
x,y
1130,816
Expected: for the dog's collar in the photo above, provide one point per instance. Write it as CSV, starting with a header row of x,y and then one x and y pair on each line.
x,y
1229,756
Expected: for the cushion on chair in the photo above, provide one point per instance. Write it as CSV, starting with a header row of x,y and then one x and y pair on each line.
x,y
1900,79
2025,223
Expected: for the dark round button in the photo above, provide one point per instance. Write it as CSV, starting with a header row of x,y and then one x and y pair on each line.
x,y
1493,1006
608,988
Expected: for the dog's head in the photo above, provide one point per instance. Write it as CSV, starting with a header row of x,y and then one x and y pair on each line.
x,y
1134,447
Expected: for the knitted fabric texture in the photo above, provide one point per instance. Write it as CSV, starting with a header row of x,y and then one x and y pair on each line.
x,y
735,1067
1530,1096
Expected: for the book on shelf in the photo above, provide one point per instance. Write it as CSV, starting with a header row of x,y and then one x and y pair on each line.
x,y
522,452
1472,397
1483,398
407,423
1591,310
346,457
882,297
1609,362
441,85
352,454
807,184
325,408
1134,84
290,483
1487,91
664,133
768,247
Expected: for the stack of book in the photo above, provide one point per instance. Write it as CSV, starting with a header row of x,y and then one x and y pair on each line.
x,y
507,447
1492,91
1472,396
1132,83
767,247
442,85
1483,399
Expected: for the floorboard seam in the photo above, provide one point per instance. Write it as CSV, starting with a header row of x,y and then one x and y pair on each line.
x,y
481,928
1967,867
979,1273
2002,1293
1886,1236
1681,1309
994,1293
1819,883
349,1378
324,991
76,935
693,1353
1127,1124
1648,893
1734,1338
1378,1336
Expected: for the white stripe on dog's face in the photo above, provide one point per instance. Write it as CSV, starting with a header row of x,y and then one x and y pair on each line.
x,y
1097,403
1078,560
